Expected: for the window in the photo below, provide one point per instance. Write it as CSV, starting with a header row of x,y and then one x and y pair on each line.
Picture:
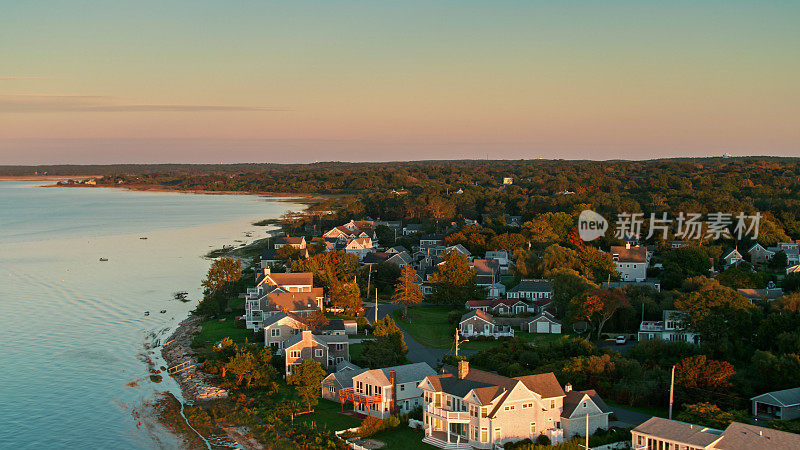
x,y
533,428
484,412
497,434
402,387
294,354
275,332
318,353
552,404
484,435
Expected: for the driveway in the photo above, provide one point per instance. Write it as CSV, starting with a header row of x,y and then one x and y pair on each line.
x,y
416,351
630,418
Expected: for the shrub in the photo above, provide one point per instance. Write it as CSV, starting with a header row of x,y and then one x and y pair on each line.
x,y
542,440
239,323
454,317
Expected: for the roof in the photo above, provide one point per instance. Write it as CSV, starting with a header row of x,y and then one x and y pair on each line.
x,y
480,314
274,318
268,254
544,315
431,237
322,339
740,436
485,266
756,294
632,255
786,397
532,285
375,258
293,278
686,433
405,373
574,398
345,377
731,252
292,301
290,240
489,386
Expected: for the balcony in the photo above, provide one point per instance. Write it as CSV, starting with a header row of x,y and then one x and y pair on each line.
x,y
349,395
651,326
450,416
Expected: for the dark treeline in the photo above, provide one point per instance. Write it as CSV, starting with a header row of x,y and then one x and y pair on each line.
x,y
436,190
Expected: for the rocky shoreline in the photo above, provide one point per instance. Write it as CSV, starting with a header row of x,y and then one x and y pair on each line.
x,y
195,384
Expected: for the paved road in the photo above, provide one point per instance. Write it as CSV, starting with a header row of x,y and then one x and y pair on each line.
x,y
631,418
416,351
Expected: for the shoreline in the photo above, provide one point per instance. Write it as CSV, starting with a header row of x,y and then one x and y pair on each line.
x,y
295,197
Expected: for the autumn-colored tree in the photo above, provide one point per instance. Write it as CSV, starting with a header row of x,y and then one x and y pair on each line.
x,y
288,253
710,415
599,305
313,320
407,291
699,377
539,231
306,379
508,242
222,272
717,314
348,297
567,285
557,257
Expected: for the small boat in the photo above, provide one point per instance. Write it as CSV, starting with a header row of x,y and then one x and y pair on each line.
x,y
143,238
103,259
163,311
147,313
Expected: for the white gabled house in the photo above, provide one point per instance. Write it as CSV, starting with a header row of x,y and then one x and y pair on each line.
x,y
478,323
631,262
732,257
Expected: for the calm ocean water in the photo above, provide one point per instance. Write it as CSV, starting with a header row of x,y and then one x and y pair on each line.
x,y
72,328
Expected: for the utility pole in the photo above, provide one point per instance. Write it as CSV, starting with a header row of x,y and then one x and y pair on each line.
x,y
459,342
671,392
376,305
369,278
587,430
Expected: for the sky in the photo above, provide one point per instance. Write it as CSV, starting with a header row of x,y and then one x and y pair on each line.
x,y
302,81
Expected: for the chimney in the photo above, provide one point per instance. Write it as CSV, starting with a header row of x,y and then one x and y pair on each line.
x,y
463,369
628,245
567,387
393,383
267,271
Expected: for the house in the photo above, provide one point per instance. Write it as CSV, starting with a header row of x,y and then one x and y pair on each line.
x,y
386,391
793,269
413,228
339,326
755,295
478,323
784,404
278,328
356,236
296,242
338,380
397,249
275,292
327,350
582,410
662,434
530,288
500,306
669,329
488,276
792,250
393,224
470,408
268,258
501,258
759,254
360,246
431,240
732,257
544,323
631,262
459,248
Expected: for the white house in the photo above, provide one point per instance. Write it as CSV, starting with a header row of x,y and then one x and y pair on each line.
x,y
669,329
532,289
732,257
662,434
479,323
631,262
469,408
581,407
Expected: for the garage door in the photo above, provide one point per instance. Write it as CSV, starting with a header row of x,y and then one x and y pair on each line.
x,y
542,327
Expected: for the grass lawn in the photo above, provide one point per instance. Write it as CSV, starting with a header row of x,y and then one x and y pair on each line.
x,y
355,351
428,325
649,410
214,330
328,414
529,337
403,437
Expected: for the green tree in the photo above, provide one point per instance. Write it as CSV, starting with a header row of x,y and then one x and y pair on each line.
x,y
567,285
306,379
791,282
778,262
384,351
223,271
557,257
716,314
710,415
454,281
243,366
407,291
